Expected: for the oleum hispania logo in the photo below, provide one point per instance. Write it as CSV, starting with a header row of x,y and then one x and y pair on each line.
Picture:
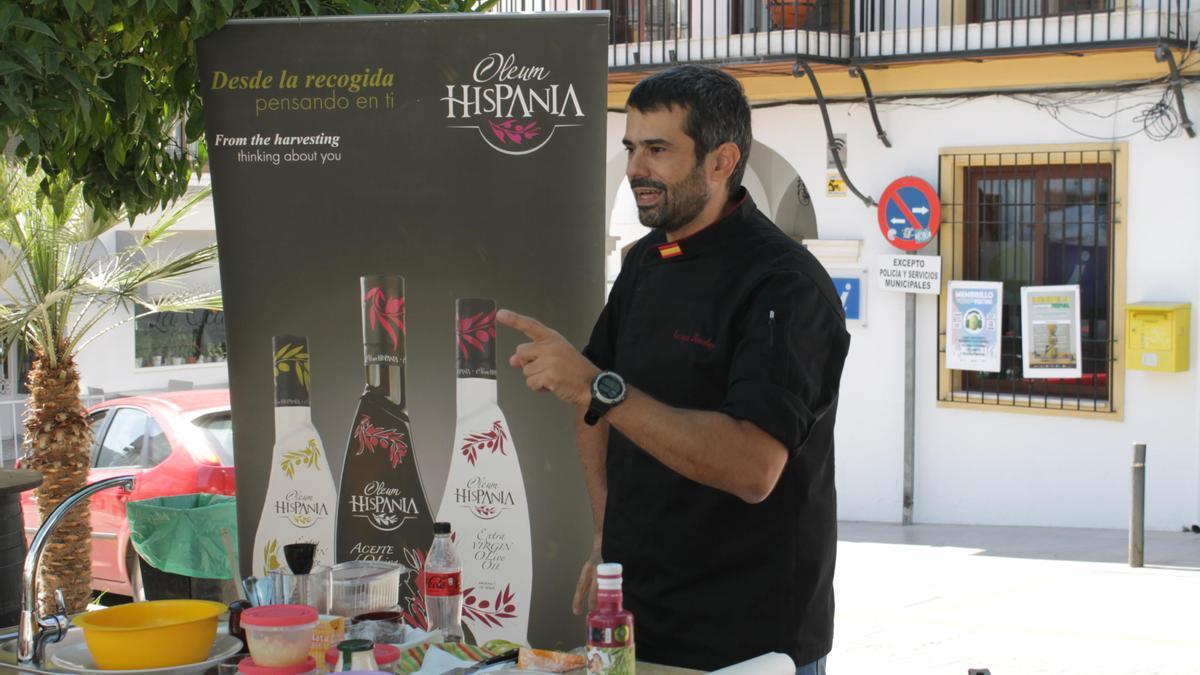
x,y
516,108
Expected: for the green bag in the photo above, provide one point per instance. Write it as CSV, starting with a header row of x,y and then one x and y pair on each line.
x,y
182,534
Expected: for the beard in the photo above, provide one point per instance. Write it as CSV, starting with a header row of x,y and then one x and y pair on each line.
x,y
680,203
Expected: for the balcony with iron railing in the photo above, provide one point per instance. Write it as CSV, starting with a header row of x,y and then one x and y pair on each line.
x,y
648,33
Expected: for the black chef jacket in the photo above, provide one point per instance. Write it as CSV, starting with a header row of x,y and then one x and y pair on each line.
x,y
741,319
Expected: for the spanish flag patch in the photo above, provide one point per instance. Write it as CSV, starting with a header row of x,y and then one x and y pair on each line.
x,y
669,250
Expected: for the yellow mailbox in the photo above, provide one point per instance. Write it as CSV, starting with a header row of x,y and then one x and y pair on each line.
x,y
1156,336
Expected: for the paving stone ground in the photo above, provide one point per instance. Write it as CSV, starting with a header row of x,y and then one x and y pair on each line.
x,y
940,599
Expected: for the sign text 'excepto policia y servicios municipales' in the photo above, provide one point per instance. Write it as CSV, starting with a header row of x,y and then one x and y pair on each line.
x,y
909,273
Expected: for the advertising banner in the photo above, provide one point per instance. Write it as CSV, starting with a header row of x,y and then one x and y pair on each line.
x,y
973,320
368,174
1051,343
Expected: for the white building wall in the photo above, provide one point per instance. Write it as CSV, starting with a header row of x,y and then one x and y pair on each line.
x,y
992,466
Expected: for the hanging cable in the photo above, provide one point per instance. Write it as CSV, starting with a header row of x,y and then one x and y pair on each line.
x,y
802,69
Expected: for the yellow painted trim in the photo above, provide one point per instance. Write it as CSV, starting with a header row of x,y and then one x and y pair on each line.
x,y
951,164
1047,71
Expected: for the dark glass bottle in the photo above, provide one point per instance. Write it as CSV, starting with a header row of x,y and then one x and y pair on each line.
x,y
383,513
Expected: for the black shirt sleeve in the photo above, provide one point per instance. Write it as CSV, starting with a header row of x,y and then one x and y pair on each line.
x,y
787,363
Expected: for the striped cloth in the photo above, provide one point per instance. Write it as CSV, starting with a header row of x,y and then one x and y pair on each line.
x,y
411,660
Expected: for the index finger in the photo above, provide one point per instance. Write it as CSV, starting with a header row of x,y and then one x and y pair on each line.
x,y
527,325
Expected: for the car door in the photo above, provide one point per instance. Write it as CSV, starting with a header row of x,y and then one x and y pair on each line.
x,y
123,451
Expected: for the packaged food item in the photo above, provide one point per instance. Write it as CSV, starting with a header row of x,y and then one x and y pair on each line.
x,y
279,635
544,659
330,630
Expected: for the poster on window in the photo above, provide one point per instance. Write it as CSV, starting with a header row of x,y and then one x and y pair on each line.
x,y
1051,344
973,310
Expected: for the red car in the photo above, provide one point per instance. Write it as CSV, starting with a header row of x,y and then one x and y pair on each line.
x,y
174,443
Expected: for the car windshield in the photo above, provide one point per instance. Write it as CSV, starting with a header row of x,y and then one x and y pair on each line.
x,y
218,431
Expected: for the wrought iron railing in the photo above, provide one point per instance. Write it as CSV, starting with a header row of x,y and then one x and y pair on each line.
x,y
900,29
647,33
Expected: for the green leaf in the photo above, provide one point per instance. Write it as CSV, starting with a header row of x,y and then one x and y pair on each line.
x,y
9,12
314,7
174,5
8,67
134,89
36,26
227,5
250,6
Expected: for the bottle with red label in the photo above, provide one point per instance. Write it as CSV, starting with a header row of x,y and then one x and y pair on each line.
x,y
443,585
609,626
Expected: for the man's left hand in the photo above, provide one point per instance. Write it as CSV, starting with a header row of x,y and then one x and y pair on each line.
x,y
550,363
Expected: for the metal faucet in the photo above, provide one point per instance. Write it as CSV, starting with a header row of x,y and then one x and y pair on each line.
x,y
34,631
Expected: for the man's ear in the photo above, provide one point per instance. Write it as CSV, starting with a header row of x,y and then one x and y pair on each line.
x,y
726,156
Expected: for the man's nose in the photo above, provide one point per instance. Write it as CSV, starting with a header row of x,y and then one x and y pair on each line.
x,y
636,167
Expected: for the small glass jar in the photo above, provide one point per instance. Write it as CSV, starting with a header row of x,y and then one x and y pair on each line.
x,y
355,655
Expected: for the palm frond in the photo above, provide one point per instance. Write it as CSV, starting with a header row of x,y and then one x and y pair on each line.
x,y
178,210
60,285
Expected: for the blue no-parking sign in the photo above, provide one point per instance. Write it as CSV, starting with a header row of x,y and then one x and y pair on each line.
x,y
909,213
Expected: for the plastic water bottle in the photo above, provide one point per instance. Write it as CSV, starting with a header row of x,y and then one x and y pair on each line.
x,y
443,585
610,626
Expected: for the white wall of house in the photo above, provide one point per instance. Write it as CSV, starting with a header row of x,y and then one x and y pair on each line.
x,y
991,466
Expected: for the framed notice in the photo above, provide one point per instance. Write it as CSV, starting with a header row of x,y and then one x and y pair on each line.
x,y
973,311
1051,344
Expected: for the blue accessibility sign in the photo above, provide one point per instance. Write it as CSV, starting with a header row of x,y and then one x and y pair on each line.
x,y
909,213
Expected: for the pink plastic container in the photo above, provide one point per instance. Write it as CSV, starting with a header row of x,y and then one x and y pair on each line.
x,y
249,667
279,636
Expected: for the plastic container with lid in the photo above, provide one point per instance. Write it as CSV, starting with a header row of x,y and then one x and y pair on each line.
x,y
386,656
249,667
365,586
279,635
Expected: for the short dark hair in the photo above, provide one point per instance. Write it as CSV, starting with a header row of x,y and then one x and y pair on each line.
x,y
716,105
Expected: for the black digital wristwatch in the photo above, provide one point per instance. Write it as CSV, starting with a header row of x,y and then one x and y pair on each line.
x,y
608,389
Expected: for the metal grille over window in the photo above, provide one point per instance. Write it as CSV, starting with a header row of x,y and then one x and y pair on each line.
x,y
1035,219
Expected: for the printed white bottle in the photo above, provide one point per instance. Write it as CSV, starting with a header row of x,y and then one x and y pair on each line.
x,y
485,499
301,497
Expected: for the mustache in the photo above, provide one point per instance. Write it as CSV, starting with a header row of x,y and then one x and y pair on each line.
x,y
647,183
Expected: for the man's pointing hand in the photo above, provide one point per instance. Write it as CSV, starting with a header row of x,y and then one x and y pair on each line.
x,y
550,363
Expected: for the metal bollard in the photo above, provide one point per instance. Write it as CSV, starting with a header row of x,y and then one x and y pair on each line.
x,y
1137,514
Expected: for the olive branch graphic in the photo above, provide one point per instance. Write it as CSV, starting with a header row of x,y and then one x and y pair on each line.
x,y
293,359
489,440
308,456
370,437
270,556
489,612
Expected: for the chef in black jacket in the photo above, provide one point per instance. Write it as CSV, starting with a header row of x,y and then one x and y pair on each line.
x,y
706,398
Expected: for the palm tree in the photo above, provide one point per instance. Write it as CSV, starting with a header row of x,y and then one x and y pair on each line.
x,y
60,289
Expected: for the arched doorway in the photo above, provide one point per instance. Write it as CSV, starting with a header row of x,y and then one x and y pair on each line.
x,y
772,181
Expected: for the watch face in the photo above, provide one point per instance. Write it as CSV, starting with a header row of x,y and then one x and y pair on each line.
x,y
609,387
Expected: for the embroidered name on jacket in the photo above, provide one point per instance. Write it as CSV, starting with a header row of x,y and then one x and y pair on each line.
x,y
694,339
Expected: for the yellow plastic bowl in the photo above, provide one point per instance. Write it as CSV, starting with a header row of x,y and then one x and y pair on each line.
x,y
155,634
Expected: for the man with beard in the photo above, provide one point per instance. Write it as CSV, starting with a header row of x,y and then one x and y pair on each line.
x,y
706,398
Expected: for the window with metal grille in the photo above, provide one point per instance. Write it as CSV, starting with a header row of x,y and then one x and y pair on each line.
x,y
1037,218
